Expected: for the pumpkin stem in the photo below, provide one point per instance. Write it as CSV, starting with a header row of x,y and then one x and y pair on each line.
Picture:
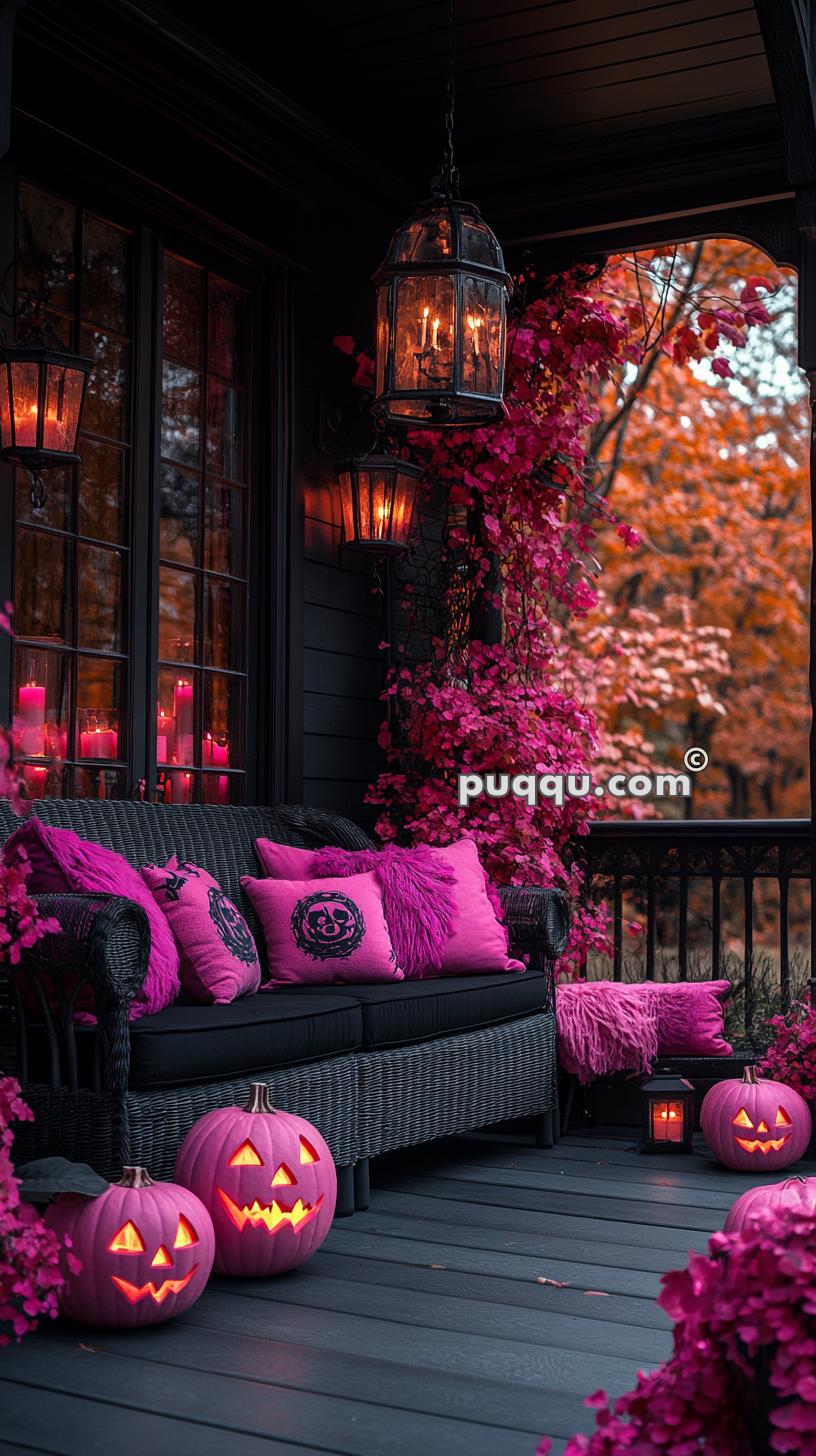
x,y
259,1098
135,1178
751,1075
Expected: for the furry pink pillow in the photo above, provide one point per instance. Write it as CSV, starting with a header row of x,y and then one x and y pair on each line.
x,y
691,1018
219,958
319,932
61,862
605,1027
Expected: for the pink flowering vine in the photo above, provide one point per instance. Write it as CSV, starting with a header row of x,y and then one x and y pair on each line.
x,y
744,1355
30,1274
791,1057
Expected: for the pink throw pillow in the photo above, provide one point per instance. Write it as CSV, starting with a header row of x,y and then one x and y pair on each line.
x,y
477,945
469,940
62,863
691,1018
219,958
319,932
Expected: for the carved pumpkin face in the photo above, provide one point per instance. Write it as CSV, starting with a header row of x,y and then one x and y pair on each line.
x,y
268,1180
146,1250
751,1123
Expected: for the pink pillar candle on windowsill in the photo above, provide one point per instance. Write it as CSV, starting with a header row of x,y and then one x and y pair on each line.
x,y
31,717
183,706
99,743
213,754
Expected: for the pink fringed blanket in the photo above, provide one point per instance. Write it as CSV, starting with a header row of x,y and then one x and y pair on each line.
x,y
604,1027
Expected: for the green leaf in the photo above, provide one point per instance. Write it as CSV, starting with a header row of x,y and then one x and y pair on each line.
x,y
43,1179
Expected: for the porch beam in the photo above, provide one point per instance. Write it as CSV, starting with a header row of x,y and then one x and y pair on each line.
x,y
8,17
789,34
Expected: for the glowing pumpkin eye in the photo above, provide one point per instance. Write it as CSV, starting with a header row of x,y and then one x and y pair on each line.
x,y
782,1119
307,1152
127,1241
283,1176
742,1119
185,1234
245,1156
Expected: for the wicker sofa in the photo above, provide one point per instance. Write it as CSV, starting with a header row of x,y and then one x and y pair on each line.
x,y
374,1067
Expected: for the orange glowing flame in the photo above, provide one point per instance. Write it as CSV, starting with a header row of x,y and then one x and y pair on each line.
x,y
755,1145
159,1293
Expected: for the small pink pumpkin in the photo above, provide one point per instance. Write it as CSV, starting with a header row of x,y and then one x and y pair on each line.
x,y
268,1180
146,1251
759,1204
755,1125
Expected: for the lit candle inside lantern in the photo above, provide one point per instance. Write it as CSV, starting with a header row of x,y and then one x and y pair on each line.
x,y
31,713
667,1119
474,324
424,322
435,334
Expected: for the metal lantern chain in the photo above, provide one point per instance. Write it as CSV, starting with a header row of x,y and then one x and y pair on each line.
x,y
447,183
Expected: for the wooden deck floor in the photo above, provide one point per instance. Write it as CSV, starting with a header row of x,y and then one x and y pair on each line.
x,y
435,1322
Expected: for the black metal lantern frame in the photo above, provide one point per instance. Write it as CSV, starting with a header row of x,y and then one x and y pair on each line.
x,y
668,1106
42,396
442,319
377,497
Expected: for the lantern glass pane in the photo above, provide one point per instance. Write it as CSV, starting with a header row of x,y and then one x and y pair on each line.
x,y
666,1121
347,504
5,409
364,504
479,244
424,239
481,324
403,508
25,379
63,401
424,333
382,487
382,336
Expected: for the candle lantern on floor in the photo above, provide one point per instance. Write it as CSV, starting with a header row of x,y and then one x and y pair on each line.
x,y
668,1113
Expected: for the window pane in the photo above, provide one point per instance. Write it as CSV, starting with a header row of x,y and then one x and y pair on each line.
x,y
222,788
46,230
226,410
224,529
104,274
179,515
98,783
222,745
175,724
41,702
56,510
223,624
99,622
101,491
105,404
181,310
228,330
45,781
100,723
181,405
177,788
176,615
43,586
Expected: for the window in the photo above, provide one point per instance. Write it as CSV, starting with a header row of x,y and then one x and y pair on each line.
x,y
202,573
79,696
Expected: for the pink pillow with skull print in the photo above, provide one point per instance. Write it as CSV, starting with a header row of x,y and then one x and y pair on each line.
x,y
217,951
319,932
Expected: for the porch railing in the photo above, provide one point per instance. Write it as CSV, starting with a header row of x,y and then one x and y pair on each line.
x,y
698,889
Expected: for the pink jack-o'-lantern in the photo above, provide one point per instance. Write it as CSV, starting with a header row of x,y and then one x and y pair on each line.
x,y
268,1180
758,1205
146,1251
754,1125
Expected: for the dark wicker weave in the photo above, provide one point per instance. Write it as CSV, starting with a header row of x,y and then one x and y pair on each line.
x,y
363,1103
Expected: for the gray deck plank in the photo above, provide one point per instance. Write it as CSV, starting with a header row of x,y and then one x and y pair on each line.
x,y
420,1323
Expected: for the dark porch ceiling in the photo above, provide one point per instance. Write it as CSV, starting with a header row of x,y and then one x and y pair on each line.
x,y
566,109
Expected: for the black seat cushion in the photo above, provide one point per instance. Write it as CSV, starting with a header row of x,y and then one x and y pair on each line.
x,y
397,1014
186,1044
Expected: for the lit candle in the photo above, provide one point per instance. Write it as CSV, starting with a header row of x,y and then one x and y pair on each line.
x,y
161,747
424,321
474,324
31,713
435,334
183,706
99,743
165,727
220,755
182,788
668,1122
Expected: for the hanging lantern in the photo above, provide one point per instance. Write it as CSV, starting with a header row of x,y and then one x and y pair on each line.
x,y
42,392
377,495
668,1113
441,319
